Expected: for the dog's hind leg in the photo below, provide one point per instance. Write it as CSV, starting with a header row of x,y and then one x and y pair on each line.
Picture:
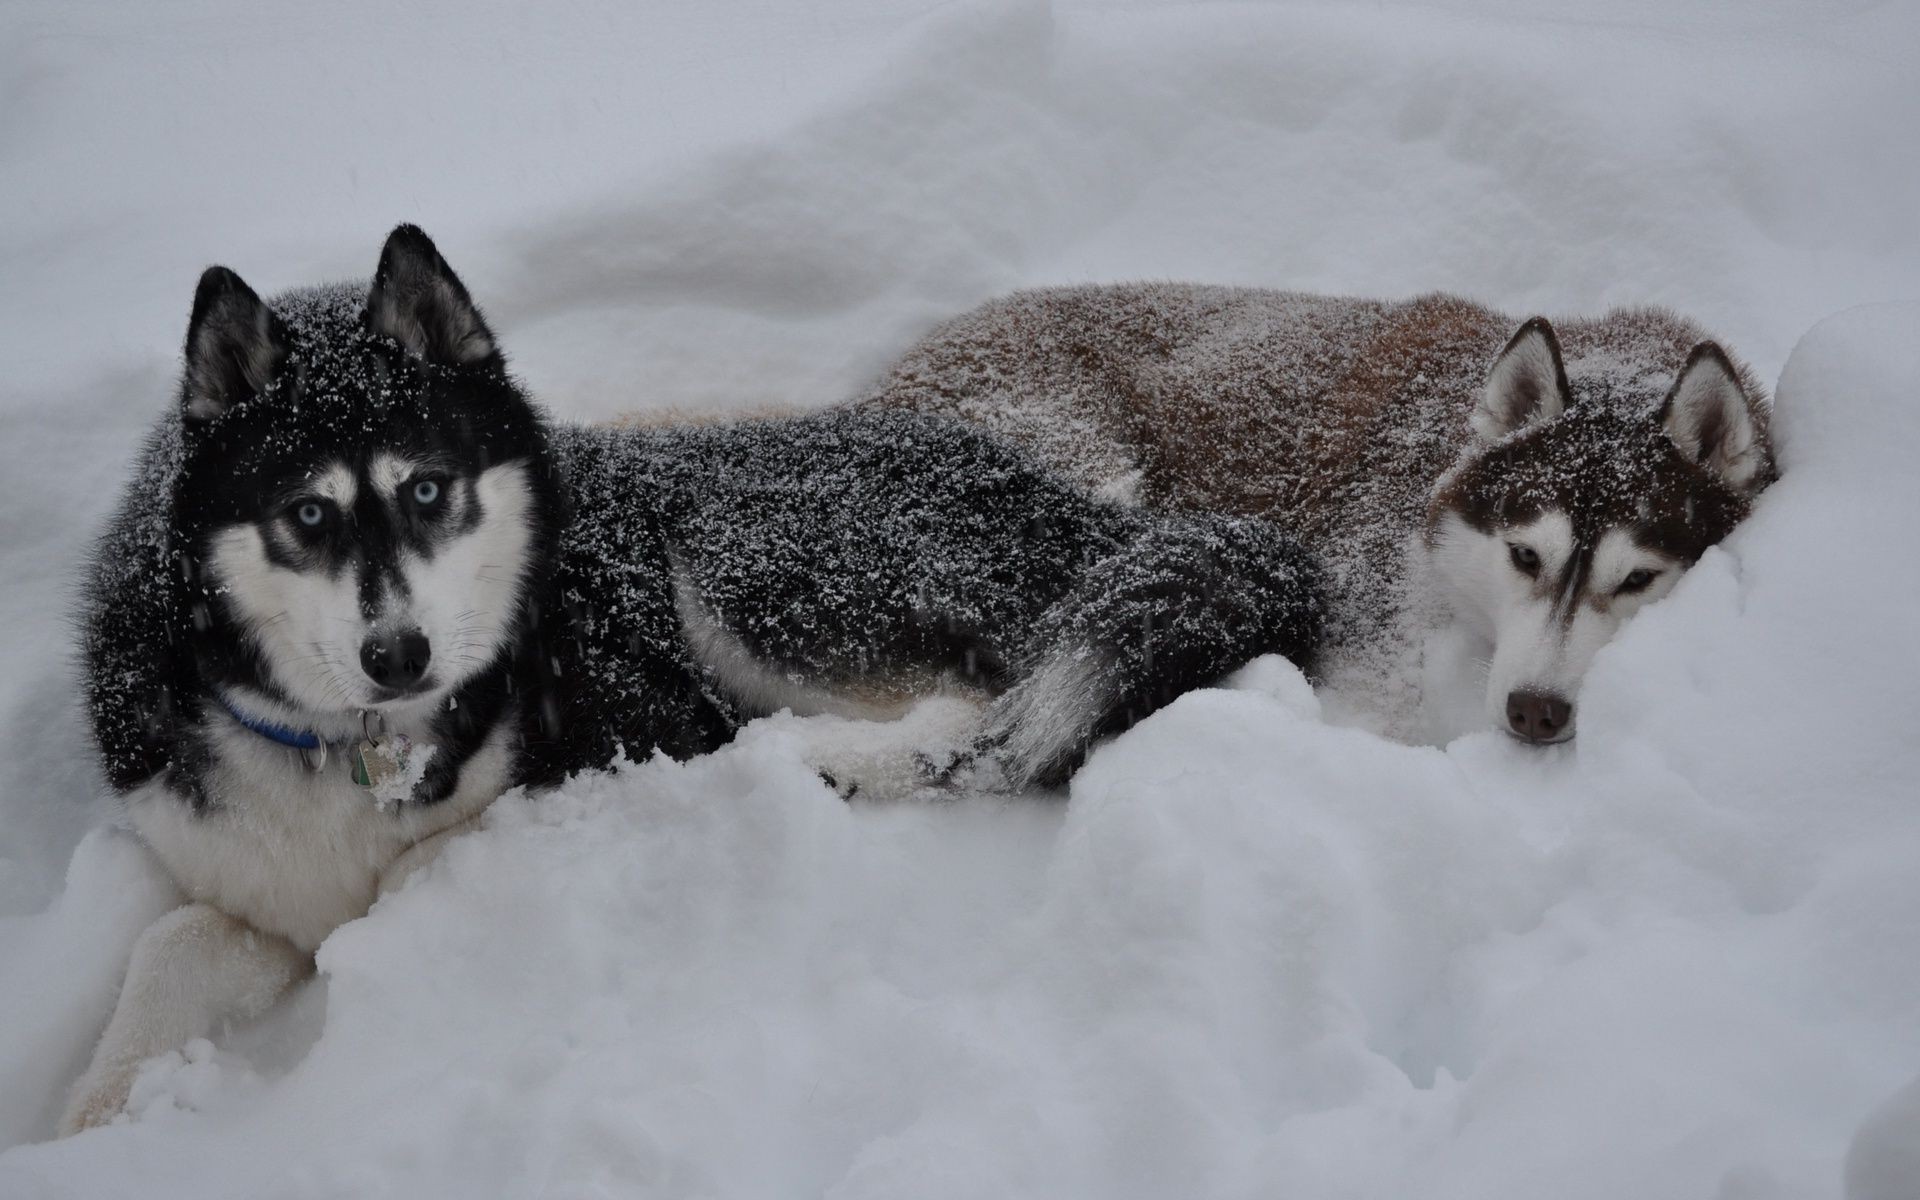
x,y
190,970
1189,600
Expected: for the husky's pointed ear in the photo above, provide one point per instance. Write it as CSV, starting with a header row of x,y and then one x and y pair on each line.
x,y
1710,418
1528,384
234,346
419,302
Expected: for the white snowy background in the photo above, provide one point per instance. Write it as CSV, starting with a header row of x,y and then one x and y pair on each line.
x,y
1251,954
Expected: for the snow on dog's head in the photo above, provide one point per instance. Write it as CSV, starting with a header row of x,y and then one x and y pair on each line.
x,y
1583,496
364,496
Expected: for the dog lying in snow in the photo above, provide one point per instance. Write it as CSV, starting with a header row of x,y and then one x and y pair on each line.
x,y
360,586
1532,489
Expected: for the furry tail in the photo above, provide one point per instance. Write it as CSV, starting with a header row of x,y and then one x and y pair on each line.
x,y
1191,599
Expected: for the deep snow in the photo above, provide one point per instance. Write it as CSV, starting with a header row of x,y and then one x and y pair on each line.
x,y
1252,953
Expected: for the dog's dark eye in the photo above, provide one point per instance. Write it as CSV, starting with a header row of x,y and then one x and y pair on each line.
x,y
426,493
1637,581
310,513
1525,560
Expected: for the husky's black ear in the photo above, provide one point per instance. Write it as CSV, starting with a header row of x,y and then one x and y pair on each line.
x,y
1709,417
234,345
1527,385
419,302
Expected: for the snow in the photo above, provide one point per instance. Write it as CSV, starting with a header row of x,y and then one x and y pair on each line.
x,y
1251,953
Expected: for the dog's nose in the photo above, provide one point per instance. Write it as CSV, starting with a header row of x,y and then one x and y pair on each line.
x,y
1539,716
396,662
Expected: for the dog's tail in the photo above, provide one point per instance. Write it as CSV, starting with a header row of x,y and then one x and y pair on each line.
x,y
1189,600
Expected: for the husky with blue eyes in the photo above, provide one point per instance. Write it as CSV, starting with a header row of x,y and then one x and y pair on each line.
x,y
1527,488
361,586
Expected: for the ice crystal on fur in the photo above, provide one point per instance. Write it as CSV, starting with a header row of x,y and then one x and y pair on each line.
x,y
879,555
123,642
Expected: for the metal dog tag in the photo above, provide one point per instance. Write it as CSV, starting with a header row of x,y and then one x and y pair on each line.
x,y
376,763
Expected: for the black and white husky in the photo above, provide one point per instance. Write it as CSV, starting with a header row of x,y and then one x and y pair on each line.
x,y
1530,490
362,586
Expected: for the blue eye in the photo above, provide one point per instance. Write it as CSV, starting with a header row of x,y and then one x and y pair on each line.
x,y
1637,581
311,514
426,492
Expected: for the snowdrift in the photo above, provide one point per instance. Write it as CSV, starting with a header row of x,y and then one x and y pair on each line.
x,y
1250,953
1680,958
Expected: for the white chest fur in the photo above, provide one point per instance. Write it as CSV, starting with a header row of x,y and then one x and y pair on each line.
x,y
293,851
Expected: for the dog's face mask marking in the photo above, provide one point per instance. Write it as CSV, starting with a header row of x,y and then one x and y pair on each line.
x,y
1565,518
403,593
359,468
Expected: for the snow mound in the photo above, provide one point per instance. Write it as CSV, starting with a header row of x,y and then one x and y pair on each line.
x,y
1680,958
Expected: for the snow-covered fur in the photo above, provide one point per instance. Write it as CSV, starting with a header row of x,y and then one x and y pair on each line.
x,y
1532,489
847,561
354,527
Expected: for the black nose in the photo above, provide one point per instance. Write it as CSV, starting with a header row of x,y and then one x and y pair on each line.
x,y
1539,716
396,662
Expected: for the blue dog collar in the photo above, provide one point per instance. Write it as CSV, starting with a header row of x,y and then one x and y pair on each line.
x,y
294,738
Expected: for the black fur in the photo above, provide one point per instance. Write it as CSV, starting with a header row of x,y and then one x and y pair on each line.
x,y
836,547
1188,600
235,345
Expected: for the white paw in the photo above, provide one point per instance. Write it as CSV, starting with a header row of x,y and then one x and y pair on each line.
x,y
985,771
99,1097
871,772
891,760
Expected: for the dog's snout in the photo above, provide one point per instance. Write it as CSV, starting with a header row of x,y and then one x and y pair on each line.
x,y
1539,716
396,662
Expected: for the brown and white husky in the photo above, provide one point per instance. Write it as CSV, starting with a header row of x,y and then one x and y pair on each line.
x,y
1531,490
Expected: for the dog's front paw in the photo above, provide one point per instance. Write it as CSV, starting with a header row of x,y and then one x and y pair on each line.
x,y
97,1099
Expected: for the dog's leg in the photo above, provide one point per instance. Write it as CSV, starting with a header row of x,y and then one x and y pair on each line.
x,y
423,852
1188,601
191,970
891,760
